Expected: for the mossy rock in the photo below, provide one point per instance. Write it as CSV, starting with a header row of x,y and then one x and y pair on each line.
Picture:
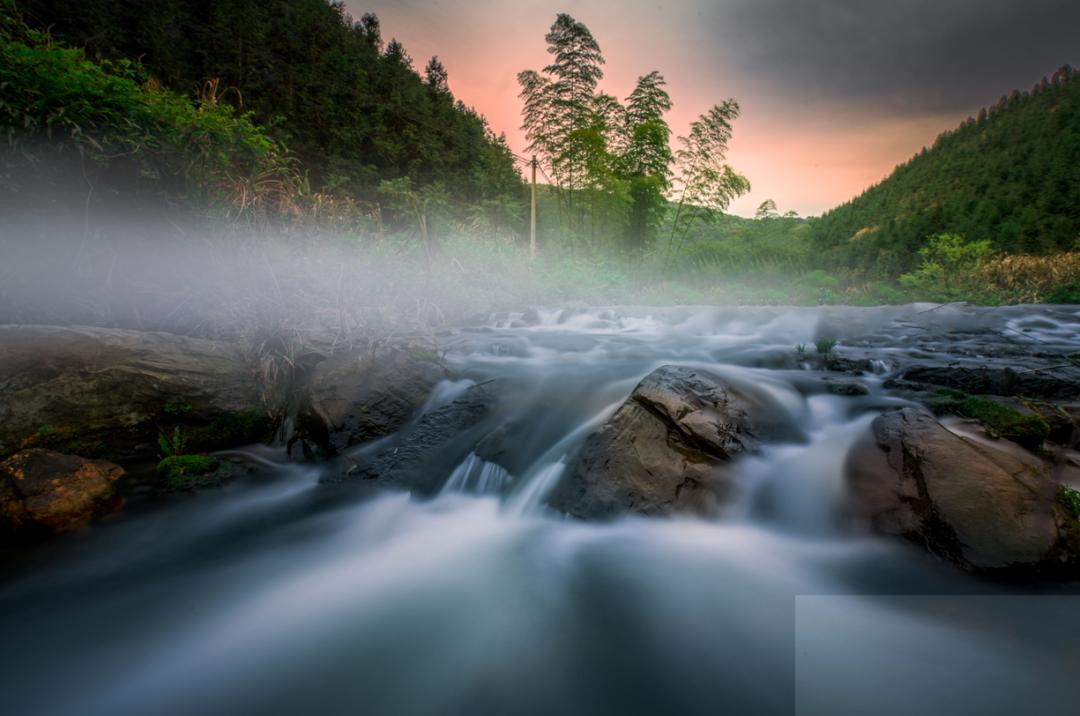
x,y
194,472
229,431
1026,429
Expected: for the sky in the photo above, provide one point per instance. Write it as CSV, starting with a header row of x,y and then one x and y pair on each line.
x,y
834,93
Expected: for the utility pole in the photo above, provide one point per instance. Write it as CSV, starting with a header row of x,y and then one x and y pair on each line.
x,y
532,219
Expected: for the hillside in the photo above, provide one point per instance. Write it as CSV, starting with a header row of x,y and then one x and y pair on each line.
x,y
1010,176
348,104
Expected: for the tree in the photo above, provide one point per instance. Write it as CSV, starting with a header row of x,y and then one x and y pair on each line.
x,y
396,54
559,105
647,158
767,210
437,78
707,184
371,31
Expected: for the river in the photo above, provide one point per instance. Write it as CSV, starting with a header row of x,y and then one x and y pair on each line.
x,y
281,595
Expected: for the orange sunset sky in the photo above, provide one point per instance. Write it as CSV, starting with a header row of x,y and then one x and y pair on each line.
x,y
834,93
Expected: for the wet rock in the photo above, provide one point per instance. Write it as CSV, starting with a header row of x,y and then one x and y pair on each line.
x,y
356,397
981,508
668,447
44,492
185,473
1061,384
412,459
846,388
96,391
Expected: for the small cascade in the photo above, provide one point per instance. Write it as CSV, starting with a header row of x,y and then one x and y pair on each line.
x,y
478,477
536,489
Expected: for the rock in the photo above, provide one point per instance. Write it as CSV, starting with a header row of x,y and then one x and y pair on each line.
x,y
355,397
980,508
48,493
668,447
411,459
100,391
984,380
182,473
846,388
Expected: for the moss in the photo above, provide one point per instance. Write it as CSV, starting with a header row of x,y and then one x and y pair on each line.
x,y
190,472
65,440
177,409
1070,500
1028,430
425,356
242,428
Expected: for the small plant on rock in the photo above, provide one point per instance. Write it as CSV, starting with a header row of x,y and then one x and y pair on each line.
x,y
172,445
1069,499
825,346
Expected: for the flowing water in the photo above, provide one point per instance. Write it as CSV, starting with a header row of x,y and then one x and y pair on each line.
x,y
280,595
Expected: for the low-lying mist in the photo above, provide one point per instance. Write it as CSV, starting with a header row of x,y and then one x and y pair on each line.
x,y
298,282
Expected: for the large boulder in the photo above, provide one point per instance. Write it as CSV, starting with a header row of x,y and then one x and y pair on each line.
x,y
357,396
95,391
669,446
971,504
45,492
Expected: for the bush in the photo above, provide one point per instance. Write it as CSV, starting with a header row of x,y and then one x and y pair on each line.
x,y
948,266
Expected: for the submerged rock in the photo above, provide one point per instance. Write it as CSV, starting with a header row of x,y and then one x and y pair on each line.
x,y
356,397
44,492
97,392
981,508
668,447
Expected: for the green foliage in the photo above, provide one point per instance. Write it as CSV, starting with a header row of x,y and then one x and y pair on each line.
x,y
1010,178
1027,429
189,472
1070,500
948,268
173,444
825,346
111,114
228,431
177,409
351,111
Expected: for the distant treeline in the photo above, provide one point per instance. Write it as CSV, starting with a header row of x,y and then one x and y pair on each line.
x,y
1010,176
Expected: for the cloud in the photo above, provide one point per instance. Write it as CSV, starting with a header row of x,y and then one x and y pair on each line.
x,y
913,56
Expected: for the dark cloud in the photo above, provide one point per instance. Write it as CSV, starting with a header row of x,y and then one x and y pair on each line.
x,y
903,55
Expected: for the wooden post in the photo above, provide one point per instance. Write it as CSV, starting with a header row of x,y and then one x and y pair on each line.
x,y
532,219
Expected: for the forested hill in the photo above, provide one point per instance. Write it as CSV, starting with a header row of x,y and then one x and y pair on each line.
x,y
348,104
1010,176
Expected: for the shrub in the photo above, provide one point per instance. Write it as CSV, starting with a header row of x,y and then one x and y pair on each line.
x,y
58,100
949,263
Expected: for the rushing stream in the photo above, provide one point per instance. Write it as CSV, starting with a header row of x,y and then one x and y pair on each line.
x,y
281,595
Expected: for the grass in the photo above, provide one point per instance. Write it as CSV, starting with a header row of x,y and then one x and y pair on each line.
x,y
190,472
825,346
